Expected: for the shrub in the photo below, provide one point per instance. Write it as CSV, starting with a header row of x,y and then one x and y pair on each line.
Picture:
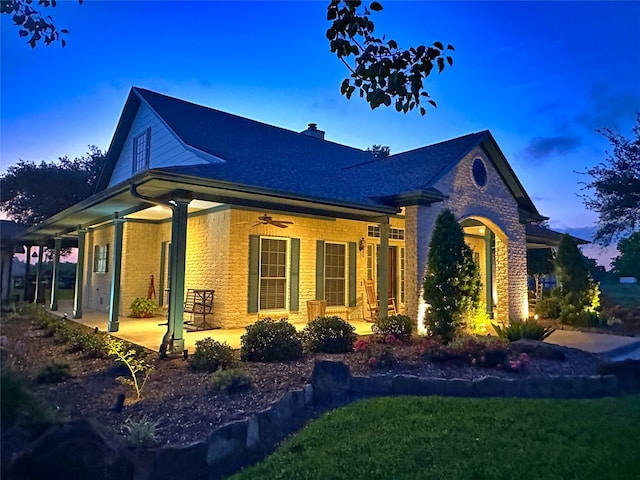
x,y
452,284
549,307
143,308
529,329
210,355
92,344
329,335
434,350
18,404
570,315
54,372
268,341
134,360
400,326
141,433
375,355
480,351
488,352
231,380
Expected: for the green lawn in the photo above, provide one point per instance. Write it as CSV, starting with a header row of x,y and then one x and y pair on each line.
x,y
626,295
459,438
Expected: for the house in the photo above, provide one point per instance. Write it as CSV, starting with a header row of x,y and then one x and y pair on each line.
x,y
269,219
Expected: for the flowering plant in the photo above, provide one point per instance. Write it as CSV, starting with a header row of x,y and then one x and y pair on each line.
x,y
520,363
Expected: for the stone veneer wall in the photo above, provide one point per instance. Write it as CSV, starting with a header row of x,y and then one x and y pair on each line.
x,y
492,204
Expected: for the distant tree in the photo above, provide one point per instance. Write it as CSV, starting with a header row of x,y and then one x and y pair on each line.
x,y
627,264
452,284
598,272
382,72
32,23
379,151
540,262
616,187
31,192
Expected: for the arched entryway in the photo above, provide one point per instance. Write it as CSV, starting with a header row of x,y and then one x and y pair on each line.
x,y
489,245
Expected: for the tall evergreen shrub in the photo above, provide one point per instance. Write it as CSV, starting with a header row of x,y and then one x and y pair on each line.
x,y
579,292
452,283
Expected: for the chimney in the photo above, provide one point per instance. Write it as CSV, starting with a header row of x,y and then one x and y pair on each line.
x,y
312,131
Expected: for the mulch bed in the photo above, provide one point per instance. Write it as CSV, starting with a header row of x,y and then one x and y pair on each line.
x,y
183,402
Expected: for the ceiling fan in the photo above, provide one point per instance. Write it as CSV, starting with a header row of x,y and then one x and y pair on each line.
x,y
267,219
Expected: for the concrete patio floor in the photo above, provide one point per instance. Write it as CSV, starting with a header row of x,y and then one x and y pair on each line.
x,y
148,333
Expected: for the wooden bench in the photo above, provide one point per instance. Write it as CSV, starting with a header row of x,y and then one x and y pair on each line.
x,y
199,303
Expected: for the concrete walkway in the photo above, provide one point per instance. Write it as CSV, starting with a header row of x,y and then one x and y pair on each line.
x,y
615,347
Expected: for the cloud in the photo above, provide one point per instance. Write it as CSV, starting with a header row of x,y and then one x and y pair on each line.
x,y
609,109
540,148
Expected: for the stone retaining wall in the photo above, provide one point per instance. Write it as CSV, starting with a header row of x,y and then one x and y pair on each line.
x,y
244,442
229,447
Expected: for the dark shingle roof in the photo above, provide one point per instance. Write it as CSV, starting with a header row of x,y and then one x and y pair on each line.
x,y
290,163
413,170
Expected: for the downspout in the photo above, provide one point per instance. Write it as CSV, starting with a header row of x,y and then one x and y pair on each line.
x,y
168,336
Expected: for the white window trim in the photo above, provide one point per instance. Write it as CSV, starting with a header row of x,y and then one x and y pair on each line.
x,y
346,273
147,153
287,268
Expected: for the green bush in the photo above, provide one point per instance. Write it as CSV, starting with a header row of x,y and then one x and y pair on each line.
x,y
517,329
92,344
54,372
488,352
268,341
549,307
571,315
329,335
210,355
400,326
231,380
143,308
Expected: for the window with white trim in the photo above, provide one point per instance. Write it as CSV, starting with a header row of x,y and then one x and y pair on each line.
x,y
335,261
369,262
101,258
373,231
273,274
141,150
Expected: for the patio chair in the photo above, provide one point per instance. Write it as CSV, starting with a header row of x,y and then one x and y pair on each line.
x,y
372,301
534,297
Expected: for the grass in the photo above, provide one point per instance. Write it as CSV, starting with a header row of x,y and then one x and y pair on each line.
x,y
459,438
625,295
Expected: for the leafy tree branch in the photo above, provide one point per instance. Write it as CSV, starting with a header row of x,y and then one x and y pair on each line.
x,y
382,72
32,23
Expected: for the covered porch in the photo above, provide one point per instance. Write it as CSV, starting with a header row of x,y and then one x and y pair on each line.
x,y
148,332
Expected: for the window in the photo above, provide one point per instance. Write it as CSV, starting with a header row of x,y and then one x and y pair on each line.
x,y
479,172
373,231
273,274
369,262
334,274
141,148
101,258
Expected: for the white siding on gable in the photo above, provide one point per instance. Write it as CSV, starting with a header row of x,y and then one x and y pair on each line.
x,y
166,149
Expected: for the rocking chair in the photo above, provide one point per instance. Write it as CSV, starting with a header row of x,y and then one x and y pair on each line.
x,y
372,301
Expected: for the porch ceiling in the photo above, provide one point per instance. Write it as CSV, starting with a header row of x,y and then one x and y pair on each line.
x,y
118,201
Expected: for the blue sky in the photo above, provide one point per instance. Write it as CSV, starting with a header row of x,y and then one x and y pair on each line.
x,y
542,76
